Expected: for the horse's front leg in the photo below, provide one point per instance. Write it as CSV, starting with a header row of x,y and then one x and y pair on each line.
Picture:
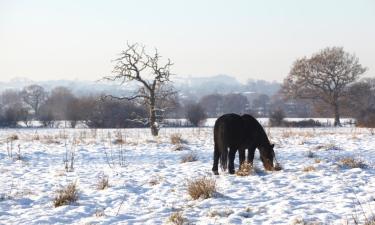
x,y
231,156
250,155
242,157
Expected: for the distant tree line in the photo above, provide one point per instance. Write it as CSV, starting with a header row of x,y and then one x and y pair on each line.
x,y
33,103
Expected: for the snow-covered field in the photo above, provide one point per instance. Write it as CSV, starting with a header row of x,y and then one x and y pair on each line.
x,y
148,182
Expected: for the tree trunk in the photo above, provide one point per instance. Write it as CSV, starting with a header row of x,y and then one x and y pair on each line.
x,y
153,125
337,115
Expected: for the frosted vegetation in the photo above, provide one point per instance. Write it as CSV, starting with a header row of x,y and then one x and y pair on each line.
x,y
127,176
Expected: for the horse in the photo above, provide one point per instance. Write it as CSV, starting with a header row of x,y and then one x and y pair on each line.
x,y
235,132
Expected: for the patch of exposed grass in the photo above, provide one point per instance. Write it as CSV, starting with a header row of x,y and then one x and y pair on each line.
x,y
203,187
66,195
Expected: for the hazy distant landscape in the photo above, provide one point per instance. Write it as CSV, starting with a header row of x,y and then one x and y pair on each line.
x,y
187,112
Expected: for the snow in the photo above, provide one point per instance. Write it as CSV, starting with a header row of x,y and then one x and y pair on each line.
x,y
148,182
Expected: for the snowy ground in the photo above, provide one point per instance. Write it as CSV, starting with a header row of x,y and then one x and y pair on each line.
x,y
148,182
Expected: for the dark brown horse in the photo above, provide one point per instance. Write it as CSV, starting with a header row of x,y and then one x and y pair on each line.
x,y
233,132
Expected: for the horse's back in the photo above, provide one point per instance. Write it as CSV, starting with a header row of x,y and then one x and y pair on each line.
x,y
229,130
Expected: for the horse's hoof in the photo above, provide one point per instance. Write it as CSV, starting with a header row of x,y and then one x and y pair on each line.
x,y
216,172
231,171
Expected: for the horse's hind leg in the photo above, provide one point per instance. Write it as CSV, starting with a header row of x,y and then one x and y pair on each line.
x,y
215,169
232,155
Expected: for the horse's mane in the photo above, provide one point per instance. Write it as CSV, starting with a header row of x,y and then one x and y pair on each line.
x,y
259,127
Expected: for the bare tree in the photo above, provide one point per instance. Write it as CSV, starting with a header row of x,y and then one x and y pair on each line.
x,y
324,77
152,76
34,95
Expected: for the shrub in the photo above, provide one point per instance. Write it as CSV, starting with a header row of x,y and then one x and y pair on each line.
x,y
66,196
201,187
277,118
366,118
303,123
195,114
190,157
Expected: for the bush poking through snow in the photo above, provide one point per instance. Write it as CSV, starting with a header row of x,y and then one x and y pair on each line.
x,y
189,157
176,218
352,163
203,187
245,169
103,182
309,169
66,196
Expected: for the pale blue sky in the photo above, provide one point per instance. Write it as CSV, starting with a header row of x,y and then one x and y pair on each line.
x,y
74,39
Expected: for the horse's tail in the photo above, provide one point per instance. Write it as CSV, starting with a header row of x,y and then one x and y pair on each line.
x,y
223,149
223,157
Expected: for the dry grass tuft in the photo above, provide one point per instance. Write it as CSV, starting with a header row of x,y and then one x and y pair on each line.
x,y
118,141
277,167
245,169
203,187
178,147
190,157
304,222
176,218
370,221
155,180
352,163
220,212
103,182
176,139
317,160
13,137
67,195
309,169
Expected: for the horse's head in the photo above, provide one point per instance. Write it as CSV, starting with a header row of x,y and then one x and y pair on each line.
x,y
267,155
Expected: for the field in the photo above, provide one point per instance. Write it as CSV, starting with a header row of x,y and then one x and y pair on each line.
x,y
129,177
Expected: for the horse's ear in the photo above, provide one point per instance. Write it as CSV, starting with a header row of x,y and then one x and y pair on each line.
x,y
272,145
